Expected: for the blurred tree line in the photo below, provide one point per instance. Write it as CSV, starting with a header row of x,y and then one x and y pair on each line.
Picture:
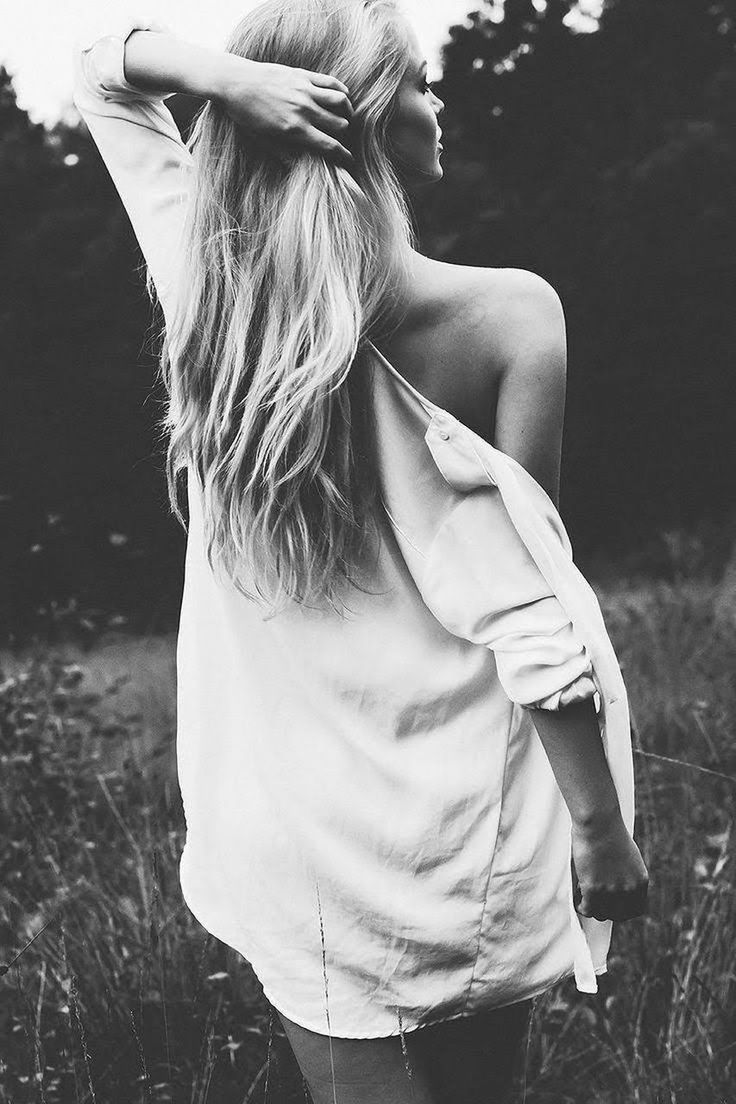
x,y
604,161
607,163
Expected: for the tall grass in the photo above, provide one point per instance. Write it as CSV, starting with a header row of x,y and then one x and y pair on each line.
x,y
662,1030
115,993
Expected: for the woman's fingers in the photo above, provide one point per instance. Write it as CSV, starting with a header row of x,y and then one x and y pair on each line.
x,y
292,107
334,100
324,80
611,872
603,903
336,125
318,140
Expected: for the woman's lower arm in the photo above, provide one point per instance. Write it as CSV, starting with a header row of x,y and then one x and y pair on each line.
x,y
154,60
572,740
611,873
280,103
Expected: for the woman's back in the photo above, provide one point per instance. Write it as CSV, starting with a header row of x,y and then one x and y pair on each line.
x,y
468,338
442,345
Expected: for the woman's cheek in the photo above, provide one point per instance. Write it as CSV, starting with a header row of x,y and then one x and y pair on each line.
x,y
412,141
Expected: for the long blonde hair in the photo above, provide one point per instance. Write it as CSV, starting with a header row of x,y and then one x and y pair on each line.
x,y
291,264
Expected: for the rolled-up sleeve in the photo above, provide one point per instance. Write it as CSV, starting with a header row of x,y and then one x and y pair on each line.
x,y
482,584
100,48
493,563
139,141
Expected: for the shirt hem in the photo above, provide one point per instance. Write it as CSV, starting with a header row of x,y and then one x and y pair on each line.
x,y
407,1028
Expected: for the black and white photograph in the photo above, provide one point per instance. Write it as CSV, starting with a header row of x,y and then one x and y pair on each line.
x,y
368,552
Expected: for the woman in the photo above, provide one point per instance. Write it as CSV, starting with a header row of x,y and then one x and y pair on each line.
x,y
399,712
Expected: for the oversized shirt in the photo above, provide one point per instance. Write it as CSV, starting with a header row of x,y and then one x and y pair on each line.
x,y
371,819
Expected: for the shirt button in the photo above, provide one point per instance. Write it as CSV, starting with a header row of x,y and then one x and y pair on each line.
x,y
444,436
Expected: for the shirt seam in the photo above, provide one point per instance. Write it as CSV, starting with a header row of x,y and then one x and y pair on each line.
x,y
484,908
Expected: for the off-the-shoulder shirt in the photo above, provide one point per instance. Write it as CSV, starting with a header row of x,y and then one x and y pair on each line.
x,y
371,819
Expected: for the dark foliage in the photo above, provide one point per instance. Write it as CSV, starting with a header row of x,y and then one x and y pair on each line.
x,y
606,162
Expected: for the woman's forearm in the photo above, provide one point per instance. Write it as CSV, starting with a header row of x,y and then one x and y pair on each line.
x,y
611,873
572,740
278,103
154,61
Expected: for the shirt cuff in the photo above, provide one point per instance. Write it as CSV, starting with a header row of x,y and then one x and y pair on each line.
x,y
103,41
118,25
578,690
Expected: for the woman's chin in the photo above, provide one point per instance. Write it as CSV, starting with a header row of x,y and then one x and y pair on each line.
x,y
436,171
422,177
418,172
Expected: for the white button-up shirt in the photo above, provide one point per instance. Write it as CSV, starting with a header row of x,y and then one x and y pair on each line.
x,y
371,818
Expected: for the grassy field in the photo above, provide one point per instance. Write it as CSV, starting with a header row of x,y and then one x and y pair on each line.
x,y
114,993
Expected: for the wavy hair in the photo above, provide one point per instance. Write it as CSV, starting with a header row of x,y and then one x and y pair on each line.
x,y
291,264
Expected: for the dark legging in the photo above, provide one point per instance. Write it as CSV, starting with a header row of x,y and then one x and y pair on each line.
x,y
469,1060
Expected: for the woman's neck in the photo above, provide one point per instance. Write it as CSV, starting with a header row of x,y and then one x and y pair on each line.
x,y
407,295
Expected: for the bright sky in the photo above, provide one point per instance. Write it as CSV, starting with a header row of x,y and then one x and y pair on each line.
x,y
36,37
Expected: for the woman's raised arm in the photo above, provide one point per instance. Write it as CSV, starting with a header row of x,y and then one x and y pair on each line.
x,y
125,69
139,142
287,104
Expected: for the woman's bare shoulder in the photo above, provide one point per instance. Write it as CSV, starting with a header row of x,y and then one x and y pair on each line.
x,y
496,311
510,336
466,329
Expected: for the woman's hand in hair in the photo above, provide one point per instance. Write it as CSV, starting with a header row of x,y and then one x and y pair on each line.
x,y
289,106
